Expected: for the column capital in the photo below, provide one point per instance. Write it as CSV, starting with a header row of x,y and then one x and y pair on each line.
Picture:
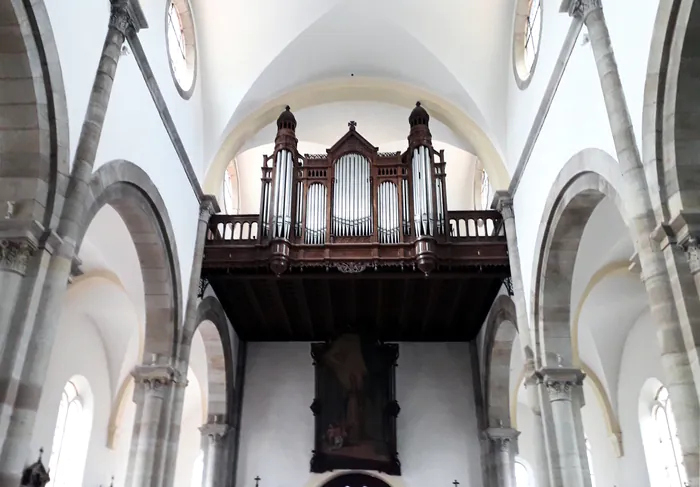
x,y
15,255
503,438
503,202
216,431
156,378
208,207
560,381
580,9
126,15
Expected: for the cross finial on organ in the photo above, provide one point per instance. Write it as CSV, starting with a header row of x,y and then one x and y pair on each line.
x,y
257,479
455,483
352,124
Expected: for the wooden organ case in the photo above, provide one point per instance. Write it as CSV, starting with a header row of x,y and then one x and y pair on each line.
x,y
356,240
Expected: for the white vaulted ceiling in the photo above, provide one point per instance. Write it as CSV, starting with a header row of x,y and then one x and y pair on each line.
x,y
254,51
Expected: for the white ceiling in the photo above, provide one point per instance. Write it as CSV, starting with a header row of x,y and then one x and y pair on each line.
x,y
253,51
380,123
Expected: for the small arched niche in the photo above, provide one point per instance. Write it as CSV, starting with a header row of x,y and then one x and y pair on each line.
x,y
356,480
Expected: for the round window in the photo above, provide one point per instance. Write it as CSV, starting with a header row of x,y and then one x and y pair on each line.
x,y
526,40
182,52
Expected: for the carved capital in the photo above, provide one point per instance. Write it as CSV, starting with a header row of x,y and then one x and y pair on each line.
x,y
15,255
214,431
504,439
503,202
208,207
580,9
155,378
127,16
119,18
691,247
560,382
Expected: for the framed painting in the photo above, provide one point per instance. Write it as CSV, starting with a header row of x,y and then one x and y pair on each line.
x,y
355,406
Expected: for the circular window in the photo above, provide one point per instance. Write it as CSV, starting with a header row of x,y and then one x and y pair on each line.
x,y
526,41
182,52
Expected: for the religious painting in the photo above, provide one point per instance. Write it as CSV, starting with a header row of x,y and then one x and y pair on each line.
x,y
355,406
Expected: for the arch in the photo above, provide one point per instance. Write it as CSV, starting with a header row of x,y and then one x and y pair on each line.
x,y
585,180
129,190
34,149
358,89
213,325
355,480
501,329
669,140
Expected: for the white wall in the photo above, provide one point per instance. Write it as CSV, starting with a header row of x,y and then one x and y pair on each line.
x,y
133,129
437,430
577,119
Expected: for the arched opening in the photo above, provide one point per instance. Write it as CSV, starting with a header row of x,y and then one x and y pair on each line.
x,y
128,189
72,434
355,480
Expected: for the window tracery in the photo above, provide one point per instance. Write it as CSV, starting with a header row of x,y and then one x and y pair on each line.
x,y
523,475
532,33
69,440
669,452
198,471
526,41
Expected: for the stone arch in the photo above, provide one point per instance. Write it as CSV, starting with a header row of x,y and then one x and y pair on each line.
x,y
128,189
500,332
670,138
34,149
213,325
585,180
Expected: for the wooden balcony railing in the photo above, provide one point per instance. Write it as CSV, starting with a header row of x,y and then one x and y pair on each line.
x,y
464,226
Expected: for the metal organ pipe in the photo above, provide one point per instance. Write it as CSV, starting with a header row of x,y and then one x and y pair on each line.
x,y
424,212
316,215
265,203
282,203
388,218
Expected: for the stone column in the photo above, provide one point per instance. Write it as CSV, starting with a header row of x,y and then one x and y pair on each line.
x,y
569,468
152,382
503,202
662,301
208,207
213,440
541,465
14,259
504,447
23,401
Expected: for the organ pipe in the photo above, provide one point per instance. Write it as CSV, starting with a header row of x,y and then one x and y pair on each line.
x,y
315,233
282,203
423,210
388,217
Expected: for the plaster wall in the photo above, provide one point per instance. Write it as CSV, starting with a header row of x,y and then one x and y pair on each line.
x,y
133,129
437,429
577,119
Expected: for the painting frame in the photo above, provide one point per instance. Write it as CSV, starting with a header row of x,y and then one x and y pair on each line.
x,y
378,362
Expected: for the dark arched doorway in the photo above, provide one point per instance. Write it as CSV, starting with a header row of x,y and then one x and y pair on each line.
x,y
356,480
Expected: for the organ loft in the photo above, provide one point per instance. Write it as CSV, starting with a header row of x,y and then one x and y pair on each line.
x,y
356,240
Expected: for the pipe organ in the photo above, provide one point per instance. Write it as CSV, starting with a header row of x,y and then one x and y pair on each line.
x,y
342,242
354,194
